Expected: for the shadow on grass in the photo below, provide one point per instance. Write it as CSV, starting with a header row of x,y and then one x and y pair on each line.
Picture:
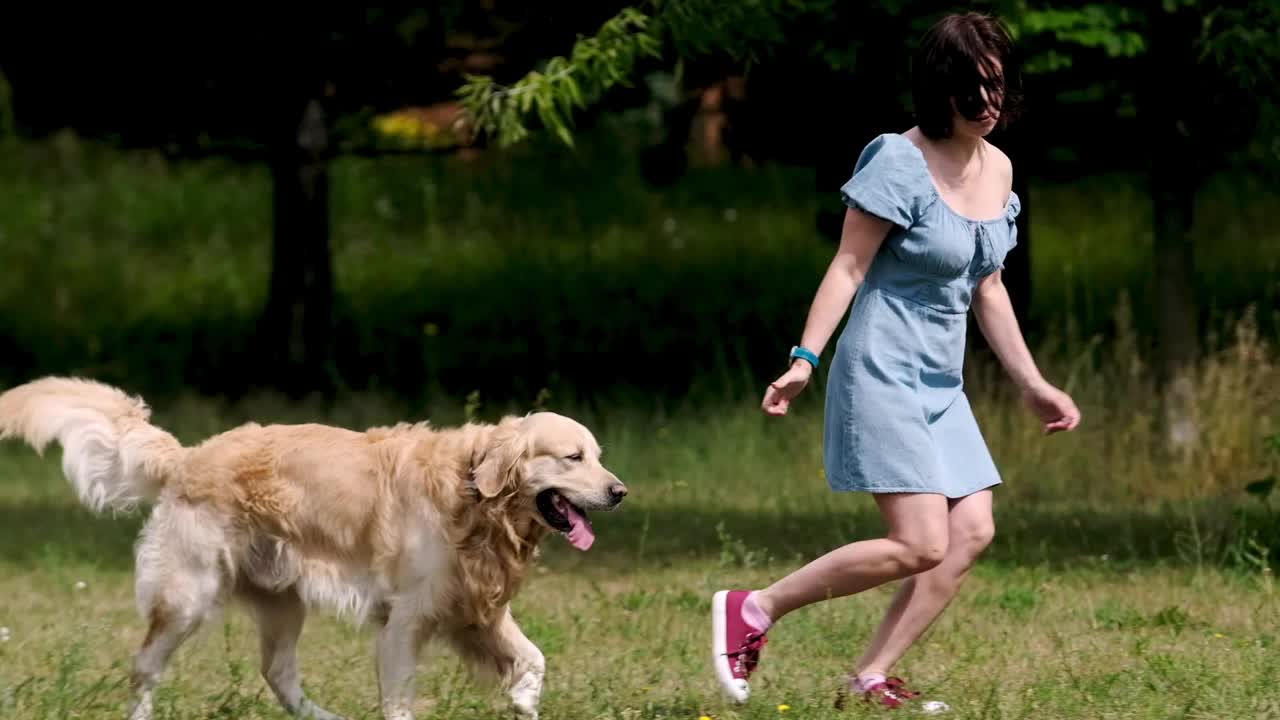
x,y
48,534
44,533
1034,536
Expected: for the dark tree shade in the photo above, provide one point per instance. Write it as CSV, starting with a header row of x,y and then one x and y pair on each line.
x,y
287,88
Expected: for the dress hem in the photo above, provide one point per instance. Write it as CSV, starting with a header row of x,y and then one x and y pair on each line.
x,y
920,491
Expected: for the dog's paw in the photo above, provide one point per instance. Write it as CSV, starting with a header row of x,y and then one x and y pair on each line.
x,y
525,707
141,709
308,710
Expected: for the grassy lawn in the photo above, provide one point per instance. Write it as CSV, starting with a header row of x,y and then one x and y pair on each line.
x,y
627,637
1149,596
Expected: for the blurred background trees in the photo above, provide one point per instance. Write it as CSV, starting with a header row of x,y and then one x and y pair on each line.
x,y
1169,95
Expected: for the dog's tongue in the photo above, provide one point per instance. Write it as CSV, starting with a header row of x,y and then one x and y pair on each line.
x,y
580,534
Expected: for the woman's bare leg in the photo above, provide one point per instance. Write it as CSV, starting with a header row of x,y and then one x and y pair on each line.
x,y
916,542
923,597
740,619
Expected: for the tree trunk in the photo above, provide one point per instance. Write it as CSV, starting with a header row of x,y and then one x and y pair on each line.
x,y
1177,332
297,324
1177,329
1175,174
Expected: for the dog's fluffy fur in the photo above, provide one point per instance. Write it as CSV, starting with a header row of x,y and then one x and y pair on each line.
x,y
424,532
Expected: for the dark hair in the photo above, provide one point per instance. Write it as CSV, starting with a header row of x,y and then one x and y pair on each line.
x,y
958,57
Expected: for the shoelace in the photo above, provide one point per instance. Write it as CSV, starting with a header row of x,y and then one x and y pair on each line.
x,y
747,657
892,692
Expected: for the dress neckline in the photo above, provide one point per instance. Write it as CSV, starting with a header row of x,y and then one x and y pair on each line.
x,y
933,186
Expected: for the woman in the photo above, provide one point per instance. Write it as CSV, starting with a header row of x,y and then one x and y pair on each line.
x,y
929,222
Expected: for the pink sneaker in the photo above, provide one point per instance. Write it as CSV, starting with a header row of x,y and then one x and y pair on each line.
x,y
735,645
891,693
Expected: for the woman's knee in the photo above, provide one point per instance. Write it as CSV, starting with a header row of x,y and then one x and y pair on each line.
x,y
973,538
920,526
921,553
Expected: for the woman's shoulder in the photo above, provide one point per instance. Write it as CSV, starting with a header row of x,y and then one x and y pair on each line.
x,y
898,146
1001,163
890,180
895,156
1002,169
997,154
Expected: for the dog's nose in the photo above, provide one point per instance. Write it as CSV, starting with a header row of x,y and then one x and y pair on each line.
x,y
618,491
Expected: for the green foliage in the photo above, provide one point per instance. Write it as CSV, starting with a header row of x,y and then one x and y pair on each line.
x,y
1052,36
743,31
1237,60
1238,46
1242,42
596,64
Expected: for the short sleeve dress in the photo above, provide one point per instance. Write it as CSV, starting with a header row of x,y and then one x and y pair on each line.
x,y
897,419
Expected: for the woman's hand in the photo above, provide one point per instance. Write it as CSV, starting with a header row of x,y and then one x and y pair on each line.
x,y
995,314
1054,407
780,393
859,242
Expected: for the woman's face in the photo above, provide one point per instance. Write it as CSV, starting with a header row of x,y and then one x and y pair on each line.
x,y
987,117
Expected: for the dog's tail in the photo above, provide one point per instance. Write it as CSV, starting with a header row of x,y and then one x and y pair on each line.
x,y
114,458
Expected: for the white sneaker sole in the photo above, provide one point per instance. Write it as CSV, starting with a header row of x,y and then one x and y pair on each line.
x,y
735,688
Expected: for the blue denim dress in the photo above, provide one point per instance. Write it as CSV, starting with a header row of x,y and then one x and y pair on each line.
x,y
897,419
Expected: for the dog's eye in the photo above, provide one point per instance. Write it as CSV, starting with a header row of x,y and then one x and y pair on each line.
x,y
576,457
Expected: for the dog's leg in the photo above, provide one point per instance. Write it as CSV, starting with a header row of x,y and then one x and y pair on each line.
x,y
279,618
503,650
176,593
167,630
528,668
398,643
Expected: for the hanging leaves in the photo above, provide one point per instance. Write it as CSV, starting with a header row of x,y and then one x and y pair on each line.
x,y
595,65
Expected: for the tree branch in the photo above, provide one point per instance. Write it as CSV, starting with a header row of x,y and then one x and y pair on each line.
x,y
595,65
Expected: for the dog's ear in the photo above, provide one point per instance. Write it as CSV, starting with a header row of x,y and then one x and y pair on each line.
x,y
498,461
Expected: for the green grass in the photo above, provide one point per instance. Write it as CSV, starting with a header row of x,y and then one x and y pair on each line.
x,y
626,636
1125,581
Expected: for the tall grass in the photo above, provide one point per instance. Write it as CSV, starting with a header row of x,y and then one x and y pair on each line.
x,y
1115,486
507,275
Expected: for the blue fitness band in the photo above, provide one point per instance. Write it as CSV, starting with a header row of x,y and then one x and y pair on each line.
x,y
806,355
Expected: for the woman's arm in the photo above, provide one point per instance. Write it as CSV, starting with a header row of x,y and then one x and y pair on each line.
x,y
859,240
999,325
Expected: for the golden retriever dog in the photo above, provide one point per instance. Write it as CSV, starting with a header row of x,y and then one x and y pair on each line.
x,y
426,533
